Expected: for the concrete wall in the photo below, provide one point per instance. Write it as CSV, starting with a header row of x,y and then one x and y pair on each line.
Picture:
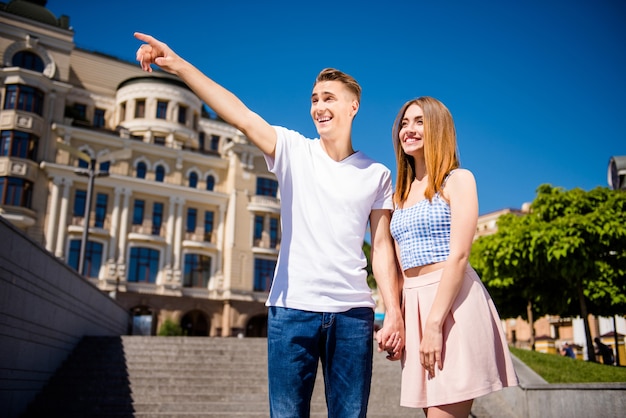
x,y
574,400
535,398
45,309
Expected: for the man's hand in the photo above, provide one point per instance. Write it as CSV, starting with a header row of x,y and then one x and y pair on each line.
x,y
390,337
156,52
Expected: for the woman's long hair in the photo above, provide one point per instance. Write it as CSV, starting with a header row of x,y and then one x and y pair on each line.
x,y
440,148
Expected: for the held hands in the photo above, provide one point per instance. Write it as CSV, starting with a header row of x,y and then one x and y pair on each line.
x,y
392,345
156,52
390,337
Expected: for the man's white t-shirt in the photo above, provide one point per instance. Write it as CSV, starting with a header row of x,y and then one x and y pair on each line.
x,y
325,208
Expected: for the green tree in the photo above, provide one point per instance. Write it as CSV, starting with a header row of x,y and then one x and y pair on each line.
x,y
508,266
566,257
367,250
170,328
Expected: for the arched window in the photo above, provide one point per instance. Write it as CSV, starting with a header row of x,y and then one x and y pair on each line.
x,y
159,173
141,170
193,180
197,270
143,265
142,320
28,60
93,257
210,182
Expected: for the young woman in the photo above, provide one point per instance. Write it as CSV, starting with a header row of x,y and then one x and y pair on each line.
x,y
455,349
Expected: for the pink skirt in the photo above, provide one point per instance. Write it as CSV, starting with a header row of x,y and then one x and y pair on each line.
x,y
476,358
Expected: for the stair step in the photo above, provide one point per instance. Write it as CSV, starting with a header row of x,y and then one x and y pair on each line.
x,y
161,377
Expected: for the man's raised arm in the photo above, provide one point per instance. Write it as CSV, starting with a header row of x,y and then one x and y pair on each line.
x,y
223,102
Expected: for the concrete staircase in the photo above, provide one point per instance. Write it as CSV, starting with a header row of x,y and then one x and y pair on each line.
x,y
159,377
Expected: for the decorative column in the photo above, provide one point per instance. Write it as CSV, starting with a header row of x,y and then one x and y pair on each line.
x,y
178,235
65,202
226,319
54,213
121,248
230,228
115,221
220,238
170,233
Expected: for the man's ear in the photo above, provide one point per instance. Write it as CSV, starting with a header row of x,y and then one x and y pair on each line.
x,y
354,108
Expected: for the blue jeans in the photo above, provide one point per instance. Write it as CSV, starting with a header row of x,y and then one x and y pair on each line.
x,y
297,340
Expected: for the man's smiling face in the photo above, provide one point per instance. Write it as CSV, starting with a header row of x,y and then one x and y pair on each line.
x,y
333,107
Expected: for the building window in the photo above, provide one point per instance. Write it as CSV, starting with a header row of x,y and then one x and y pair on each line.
x,y
122,111
197,271
210,182
15,191
201,137
215,142
138,210
93,257
263,274
101,209
192,215
161,112
159,173
98,118
157,218
105,166
143,265
182,114
140,109
193,180
258,229
80,111
159,140
273,232
18,144
266,187
208,225
80,202
141,170
28,60
26,98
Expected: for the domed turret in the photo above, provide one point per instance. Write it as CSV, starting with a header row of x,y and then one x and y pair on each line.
x,y
36,10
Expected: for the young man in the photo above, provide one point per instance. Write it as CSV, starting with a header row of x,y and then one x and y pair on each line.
x,y
320,307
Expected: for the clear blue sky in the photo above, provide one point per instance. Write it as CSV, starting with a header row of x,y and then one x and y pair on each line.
x,y
537,88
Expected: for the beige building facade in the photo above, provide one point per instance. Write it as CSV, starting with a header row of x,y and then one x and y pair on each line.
x,y
184,218
183,215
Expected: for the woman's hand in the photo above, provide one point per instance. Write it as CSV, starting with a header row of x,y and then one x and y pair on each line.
x,y
431,347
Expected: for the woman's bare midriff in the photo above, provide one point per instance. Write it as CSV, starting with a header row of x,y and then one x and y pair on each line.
x,y
421,270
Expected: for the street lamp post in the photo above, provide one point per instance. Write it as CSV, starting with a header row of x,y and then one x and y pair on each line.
x,y
91,174
617,181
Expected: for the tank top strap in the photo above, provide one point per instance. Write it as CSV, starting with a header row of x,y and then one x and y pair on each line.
x,y
445,180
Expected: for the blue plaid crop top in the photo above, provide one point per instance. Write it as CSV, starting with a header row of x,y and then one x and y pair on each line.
x,y
422,232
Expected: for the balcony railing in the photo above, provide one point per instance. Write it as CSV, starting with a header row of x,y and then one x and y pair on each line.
x,y
147,229
207,237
